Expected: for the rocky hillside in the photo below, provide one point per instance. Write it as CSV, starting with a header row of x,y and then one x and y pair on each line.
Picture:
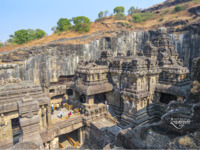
x,y
164,14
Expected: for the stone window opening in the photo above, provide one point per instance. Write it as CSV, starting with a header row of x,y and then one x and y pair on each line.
x,y
51,91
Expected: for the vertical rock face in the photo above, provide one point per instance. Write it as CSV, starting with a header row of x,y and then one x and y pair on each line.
x,y
44,64
188,47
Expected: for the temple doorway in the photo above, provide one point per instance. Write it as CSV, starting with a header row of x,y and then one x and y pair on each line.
x,y
100,98
82,98
69,92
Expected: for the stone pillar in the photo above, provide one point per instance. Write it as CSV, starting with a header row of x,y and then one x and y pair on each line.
x,y
81,135
76,95
66,96
48,114
90,99
29,121
54,143
6,135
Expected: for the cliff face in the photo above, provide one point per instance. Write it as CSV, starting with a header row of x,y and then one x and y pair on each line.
x,y
44,64
188,47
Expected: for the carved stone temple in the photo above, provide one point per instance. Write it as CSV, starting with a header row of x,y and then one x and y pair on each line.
x,y
108,97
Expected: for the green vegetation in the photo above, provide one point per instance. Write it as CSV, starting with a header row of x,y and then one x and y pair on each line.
x,y
119,9
63,24
120,16
141,17
81,23
23,36
1,44
106,12
100,15
161,19
119,13
195,1
165,12
178,8
133,10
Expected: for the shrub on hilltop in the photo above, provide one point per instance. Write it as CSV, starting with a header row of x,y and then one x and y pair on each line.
x,y
81,23
23,36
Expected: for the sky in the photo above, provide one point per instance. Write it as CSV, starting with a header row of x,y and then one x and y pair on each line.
x,y
44,14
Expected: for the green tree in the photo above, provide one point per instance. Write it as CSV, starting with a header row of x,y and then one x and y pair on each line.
x,y
63,24
178,8
21,36
39,33
106,13
31,33
119,9
81,23
54,29
131,10
100,15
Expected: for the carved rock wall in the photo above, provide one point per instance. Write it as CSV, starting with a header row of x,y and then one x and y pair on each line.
x,y
44,64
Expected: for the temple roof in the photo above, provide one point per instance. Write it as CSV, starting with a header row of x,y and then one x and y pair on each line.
x,y
92,90
173,89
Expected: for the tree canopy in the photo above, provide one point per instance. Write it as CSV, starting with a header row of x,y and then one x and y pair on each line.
x,y
131,10
22,36
100,15
119,9
63,24
81,23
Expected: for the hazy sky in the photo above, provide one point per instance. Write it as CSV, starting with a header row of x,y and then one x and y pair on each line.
x,y
44,14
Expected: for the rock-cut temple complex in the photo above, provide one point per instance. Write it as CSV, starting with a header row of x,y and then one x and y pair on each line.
x,y
107,102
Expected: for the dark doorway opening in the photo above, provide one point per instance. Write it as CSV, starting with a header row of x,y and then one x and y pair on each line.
x,y
51,91
166,98
57,97
107,43
100,98
16,130
69,92
82,98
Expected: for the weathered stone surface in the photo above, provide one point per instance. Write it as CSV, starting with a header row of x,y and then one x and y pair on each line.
x,y
195,10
